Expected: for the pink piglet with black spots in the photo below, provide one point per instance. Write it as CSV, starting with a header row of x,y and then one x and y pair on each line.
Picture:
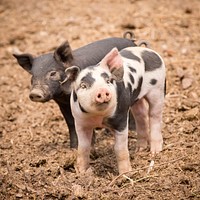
x,y
102,95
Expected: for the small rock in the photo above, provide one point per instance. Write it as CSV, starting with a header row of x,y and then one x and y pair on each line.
x,y
43,33
19,195
180,72
186,83
184,51
78,190
191,114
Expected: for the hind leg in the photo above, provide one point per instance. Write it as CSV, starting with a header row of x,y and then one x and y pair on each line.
x,y
156,101
140,113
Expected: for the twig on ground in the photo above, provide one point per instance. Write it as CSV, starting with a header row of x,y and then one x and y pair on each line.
x,y
150,166
131,180
142,168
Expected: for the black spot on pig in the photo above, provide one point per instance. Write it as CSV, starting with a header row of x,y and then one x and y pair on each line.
x,y
75,96
136,91
88,79
105,75
82,109
129,55
119,121
153,81
130,87
133,70
151,60
131,78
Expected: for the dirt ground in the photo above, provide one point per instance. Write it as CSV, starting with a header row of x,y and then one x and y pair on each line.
x,y
35,159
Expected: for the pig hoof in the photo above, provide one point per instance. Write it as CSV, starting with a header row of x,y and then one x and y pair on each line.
x,y
141,145
83,169
126,167
156,147
139,149
122,171
88,171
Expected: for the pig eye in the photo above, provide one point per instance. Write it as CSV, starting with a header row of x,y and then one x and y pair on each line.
x,y
108,82
83,85
54,75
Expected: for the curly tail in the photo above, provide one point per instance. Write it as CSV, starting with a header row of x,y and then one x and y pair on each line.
x,y
129,35
144,42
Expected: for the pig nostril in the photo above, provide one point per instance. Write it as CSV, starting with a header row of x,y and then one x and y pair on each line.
x,y
107,94
35,96
99,95
38,96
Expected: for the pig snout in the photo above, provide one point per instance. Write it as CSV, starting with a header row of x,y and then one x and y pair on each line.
x,y
37,95
103,96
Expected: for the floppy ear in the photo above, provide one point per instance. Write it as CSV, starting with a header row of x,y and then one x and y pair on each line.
x,y
63,54
25,61
114,62
71,75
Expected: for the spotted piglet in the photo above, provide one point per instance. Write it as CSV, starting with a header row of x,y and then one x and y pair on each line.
x,y
102,95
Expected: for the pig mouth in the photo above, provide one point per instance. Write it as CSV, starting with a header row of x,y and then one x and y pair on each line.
x,y
102,106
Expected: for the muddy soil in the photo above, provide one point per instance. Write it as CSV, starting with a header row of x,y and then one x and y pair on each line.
x,y
35,159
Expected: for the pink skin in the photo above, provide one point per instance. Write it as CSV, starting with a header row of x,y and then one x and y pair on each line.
x,y
84,147
149,118
140,113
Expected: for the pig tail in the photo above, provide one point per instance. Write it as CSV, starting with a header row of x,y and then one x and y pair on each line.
x,y
143,42
129,35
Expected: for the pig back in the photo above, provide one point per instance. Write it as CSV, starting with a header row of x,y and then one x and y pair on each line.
x,y
93,53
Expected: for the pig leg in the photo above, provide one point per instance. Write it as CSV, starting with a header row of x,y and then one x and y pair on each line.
x,y
66,111
140,113
84,145
155,99
121,151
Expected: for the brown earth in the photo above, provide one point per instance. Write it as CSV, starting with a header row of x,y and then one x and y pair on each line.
x,y
35,159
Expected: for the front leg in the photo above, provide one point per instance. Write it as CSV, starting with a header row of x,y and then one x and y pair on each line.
x,y
121,150
66,111
84,146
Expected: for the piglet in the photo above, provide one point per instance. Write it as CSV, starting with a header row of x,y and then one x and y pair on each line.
x,y
102,95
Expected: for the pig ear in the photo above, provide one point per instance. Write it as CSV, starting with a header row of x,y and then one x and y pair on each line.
x,y
64,54
71,74
114,62
25,61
